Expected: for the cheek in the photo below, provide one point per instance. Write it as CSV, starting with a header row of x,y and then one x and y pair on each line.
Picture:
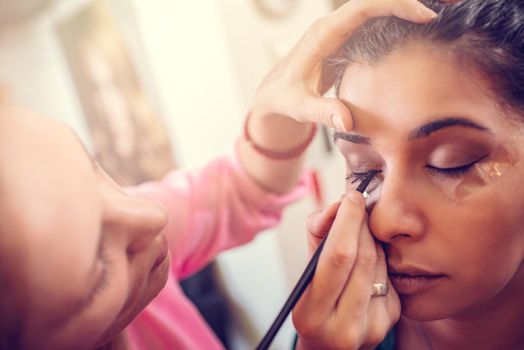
x,y
480,246
484,239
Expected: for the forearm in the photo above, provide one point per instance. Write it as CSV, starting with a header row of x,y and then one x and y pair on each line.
x,y
278,134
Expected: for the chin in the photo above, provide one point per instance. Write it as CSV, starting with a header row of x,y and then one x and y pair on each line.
x,y
420,308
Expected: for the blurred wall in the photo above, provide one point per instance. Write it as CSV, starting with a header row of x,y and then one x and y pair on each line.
x,y
35,72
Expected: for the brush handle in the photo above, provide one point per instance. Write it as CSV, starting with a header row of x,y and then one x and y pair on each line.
x,y
304,280
295,295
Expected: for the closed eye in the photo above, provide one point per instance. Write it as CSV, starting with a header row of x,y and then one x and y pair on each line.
x,y
454,171
104,279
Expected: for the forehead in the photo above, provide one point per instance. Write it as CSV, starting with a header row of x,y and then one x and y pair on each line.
x,y
414,86
49,207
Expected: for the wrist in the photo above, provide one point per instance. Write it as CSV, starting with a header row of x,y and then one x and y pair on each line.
x,y
278,137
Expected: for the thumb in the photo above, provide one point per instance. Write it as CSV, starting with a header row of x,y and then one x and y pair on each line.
x,y
328,111
319,223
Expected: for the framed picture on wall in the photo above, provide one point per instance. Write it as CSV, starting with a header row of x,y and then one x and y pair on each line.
x,y
129,136
338,3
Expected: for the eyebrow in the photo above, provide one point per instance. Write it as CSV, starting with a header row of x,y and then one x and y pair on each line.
x,y
439,124
418,133
352,137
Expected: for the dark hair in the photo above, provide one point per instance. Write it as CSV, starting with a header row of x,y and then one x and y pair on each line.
x,y
484,35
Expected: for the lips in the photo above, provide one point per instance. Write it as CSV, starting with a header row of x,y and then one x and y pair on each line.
x,y
411,280
162,252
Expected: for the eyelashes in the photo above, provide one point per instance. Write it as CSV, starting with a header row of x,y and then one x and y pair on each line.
x,y
356,178
454,171
360,176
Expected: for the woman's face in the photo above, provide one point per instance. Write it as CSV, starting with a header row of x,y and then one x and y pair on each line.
x,y
83,257
448,204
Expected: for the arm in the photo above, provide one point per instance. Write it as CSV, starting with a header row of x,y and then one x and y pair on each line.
x,y
215,208
278,134
291,94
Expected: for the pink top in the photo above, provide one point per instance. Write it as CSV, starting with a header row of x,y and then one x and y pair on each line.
x,y
216,208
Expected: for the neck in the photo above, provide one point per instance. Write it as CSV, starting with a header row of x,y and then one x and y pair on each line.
x,y
497,324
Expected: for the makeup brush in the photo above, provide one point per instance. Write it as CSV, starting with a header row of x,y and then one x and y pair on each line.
x,y
304,280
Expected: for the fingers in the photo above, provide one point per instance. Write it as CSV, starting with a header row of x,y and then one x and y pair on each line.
x,y
328,111
381,265
319,223
337,309
354,301
384,311
338,256
325,36
391,300
329,33
294,87
410,10
375,314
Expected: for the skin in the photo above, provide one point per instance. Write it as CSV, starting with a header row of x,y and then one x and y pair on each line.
x,y
476,241
294,89
82,225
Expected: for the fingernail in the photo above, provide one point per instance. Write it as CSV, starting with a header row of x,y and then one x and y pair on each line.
x,y
426,12
336,120
354,196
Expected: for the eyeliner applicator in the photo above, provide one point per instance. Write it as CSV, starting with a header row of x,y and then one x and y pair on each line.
x,y
306,277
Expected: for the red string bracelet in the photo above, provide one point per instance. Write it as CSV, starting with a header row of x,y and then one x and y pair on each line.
x,y
292,153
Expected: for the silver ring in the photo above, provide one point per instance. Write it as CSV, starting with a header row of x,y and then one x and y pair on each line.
x,y
379,289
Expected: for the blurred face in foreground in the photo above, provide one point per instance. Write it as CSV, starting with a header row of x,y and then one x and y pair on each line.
x,y
81,258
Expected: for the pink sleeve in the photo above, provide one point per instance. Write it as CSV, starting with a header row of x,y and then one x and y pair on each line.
x,y
214,209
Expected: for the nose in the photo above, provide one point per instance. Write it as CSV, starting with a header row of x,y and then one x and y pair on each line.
x,y
397,215
139,221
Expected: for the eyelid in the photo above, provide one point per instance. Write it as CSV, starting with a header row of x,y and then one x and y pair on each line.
x,y
456,170
97,286
100,258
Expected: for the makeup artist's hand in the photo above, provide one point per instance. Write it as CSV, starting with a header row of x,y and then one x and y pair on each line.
x,y
294,87
291,96
337,310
